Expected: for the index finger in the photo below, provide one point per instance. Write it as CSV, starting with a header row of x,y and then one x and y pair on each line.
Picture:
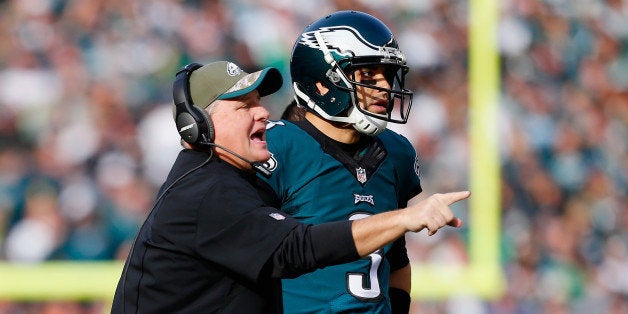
x,y
453,197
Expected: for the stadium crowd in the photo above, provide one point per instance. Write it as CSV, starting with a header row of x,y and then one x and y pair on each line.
x,y
86,130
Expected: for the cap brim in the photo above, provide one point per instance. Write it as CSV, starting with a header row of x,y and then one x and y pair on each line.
x,y
268,82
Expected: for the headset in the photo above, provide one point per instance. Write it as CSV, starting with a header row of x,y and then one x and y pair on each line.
x,y
193,123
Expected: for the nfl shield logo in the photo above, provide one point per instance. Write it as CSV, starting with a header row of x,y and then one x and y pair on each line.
x,y
361,175
277,216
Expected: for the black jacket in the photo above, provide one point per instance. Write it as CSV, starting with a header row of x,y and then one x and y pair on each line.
x,y
214,244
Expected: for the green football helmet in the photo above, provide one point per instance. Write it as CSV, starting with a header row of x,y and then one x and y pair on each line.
x,y
327,52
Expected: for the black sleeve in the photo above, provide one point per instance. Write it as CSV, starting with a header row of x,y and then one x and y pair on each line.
x,y
398,255
398,258
308,247
399,301
237,230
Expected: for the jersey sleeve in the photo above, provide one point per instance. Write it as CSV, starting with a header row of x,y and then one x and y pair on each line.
x,y
407,165
412,172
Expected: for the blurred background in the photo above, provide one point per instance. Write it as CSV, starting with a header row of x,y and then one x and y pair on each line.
x,y
87,137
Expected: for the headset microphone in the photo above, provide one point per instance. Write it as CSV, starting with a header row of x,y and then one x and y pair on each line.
x,y
257,166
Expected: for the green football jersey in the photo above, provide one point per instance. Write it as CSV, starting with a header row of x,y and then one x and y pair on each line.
x,y
318,182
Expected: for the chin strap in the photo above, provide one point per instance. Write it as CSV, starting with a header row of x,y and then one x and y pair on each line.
x,y
366,124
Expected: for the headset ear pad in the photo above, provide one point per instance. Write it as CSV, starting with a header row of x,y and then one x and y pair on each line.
x,y
205,126
195,125
193,122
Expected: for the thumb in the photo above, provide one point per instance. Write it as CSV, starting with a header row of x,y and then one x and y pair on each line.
x,y
455,222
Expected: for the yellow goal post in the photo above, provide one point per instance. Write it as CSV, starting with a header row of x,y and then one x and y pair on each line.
x,y
483,276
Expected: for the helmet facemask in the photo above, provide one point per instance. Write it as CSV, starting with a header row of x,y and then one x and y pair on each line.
x,y
399,100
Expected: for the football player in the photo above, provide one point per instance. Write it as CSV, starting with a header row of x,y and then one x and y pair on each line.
x,y
337,161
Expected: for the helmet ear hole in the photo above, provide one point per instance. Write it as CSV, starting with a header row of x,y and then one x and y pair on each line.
x,y
321,89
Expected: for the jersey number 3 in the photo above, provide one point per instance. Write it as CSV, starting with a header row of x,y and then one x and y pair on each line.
x,y
356,283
